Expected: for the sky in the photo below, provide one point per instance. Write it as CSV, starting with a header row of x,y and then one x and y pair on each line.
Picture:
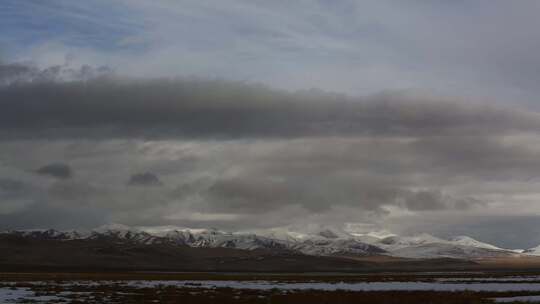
x,y
407,116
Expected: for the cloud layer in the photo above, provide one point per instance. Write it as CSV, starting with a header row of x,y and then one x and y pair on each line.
x,y
468,48
110,106
241,156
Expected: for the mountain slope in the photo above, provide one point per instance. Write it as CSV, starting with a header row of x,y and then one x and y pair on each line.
x,y
23,253
428,246
533,251
322,242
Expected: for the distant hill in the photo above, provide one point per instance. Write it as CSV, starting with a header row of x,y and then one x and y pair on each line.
x,y
126,250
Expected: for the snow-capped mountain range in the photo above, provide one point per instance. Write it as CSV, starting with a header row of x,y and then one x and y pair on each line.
x,y
533,251
323,242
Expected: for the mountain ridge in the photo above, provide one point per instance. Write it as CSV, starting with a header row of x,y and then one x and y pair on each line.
x,y
325,242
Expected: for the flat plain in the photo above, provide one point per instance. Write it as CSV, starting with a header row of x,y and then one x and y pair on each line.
x,y
488,286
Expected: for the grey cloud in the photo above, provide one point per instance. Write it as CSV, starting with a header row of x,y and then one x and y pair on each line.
x,y
15,195
43,216
74,192
10,73
489,157
254,178
20,73
262,192
144,179
57,170
108,107
259,183
435,200
10,185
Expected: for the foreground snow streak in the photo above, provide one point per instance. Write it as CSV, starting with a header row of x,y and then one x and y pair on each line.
x,y
454,290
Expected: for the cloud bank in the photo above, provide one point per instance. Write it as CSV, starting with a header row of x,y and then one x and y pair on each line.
x,y
238,156
111,106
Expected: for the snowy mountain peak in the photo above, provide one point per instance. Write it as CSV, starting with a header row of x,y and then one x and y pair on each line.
x,y
329,234
533,251
469,241
316,241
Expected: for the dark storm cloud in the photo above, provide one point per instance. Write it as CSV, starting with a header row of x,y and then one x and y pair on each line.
x,y
57,170
108,106
144,179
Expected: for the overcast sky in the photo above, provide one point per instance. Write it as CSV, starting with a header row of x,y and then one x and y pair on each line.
x,y
409,116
